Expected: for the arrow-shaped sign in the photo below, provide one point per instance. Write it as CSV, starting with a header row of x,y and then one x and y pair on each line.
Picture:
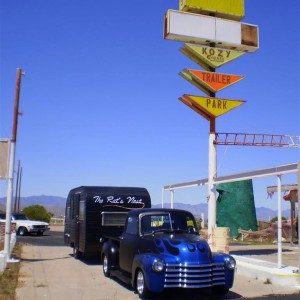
x,y
208,57
210,80
209,107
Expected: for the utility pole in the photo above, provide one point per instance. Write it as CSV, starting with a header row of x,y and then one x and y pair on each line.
x,y
17,188
12,165
19,191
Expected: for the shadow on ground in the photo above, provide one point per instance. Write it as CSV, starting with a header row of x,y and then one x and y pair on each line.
x,y
258,252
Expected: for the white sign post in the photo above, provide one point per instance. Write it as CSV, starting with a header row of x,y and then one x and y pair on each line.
x,y
212,191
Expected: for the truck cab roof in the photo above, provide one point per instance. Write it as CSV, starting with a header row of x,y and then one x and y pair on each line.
x,y
157,210
14,216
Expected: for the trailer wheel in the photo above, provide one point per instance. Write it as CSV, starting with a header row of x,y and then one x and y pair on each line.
x,y
22,231
141,286
105,266
76,253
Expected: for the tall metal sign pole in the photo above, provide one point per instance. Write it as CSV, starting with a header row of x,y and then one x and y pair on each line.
x,y
210,108
212,189
212,174
211,29
11,166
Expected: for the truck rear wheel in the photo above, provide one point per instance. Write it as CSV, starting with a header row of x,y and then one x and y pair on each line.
x,y
105,266
141,286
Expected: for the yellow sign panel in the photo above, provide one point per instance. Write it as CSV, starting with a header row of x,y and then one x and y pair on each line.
x,y
208,57
210,107
228,9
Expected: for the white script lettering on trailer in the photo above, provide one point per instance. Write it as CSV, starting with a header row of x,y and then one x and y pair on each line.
x,y
119,200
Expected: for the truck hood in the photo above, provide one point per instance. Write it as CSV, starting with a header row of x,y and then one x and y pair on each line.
x,y
29,222
188,248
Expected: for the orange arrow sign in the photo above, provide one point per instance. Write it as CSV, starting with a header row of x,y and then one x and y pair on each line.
x,y
209,107
214,81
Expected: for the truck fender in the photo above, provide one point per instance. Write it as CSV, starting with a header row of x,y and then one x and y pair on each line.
x,y
111,250
229,274
154,280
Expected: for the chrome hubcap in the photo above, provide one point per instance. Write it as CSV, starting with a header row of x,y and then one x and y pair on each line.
x,y
105,265
140,282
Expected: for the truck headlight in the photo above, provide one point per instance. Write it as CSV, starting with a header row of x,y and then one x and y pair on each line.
x,y
230,263
158,265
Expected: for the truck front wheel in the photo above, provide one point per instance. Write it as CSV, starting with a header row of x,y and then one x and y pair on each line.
x,y
105,266
22,231
141,286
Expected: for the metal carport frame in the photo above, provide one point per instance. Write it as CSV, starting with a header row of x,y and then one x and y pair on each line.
x,y
275,171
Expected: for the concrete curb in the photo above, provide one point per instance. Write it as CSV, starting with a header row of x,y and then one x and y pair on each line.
x,y
3,255
268,272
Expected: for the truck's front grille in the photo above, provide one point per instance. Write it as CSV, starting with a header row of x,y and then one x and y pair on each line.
x,y
193,276
39,227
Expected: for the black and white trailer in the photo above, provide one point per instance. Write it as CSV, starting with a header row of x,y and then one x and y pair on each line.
x,y
94,211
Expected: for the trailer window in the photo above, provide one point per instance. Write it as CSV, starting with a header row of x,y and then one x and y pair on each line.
x,y
72,215
68,213
81,210
113,218
74,205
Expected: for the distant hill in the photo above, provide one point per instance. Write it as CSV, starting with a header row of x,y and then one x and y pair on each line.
x,y
265,214
195,209
56,205
262,213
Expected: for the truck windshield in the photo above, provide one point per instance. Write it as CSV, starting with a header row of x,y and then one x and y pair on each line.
x,y
166,222
19,217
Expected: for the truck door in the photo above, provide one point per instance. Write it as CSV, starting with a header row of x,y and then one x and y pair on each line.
x,y
129,244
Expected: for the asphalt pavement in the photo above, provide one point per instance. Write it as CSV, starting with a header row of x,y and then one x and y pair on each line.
x,y
49,271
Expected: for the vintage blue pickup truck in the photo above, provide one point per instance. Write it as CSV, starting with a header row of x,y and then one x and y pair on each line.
x,y
161,249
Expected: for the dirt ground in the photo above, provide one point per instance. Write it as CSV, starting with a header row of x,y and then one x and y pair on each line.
x,y
49,271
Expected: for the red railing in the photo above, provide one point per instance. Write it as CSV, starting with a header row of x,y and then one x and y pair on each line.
x,y
254,139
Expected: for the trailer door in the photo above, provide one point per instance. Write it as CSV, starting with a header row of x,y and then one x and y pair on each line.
x,y
76,204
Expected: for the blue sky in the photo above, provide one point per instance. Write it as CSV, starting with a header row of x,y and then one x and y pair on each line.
x,y
100,97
